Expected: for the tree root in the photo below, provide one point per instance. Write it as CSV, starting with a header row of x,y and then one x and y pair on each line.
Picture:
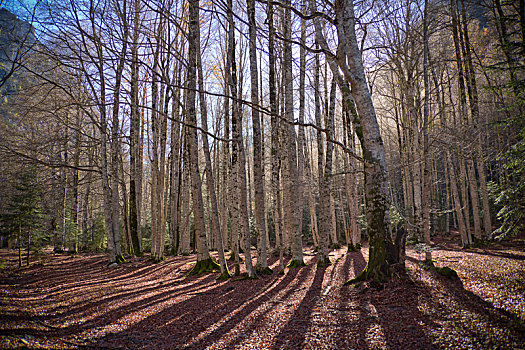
x,y
245,276
224,276
204,266
119,259
263,270
324,263
295,264
447,272
157,260
375,274
428,263
354,248
232,257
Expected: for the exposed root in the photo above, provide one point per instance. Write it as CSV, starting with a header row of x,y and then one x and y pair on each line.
x,y
295,264
369,273
224,276
157,260
232,257
428,263
263,270
324,262
204,266
245,276
354,248
119,259
447,272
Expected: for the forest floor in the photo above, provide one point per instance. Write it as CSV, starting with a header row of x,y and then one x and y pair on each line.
x,y
77,301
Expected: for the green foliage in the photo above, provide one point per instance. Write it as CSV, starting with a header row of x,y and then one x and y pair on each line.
x,y
23,212
512,196
395,217
98,232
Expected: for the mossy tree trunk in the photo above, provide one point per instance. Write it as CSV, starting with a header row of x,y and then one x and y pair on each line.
x,y
357,96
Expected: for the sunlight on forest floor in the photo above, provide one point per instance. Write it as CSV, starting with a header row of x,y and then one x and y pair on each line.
x,y
67,301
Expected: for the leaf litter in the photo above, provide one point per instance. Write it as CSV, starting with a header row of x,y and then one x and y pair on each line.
x,y
77,302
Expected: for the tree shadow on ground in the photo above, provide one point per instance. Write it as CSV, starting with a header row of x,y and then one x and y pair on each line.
x,y
93,297
477,323
493,249
293,334
386,318
202,318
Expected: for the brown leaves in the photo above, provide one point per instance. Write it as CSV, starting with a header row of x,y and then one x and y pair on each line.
x,y
71,303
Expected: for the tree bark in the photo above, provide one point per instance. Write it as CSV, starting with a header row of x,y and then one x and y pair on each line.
x,y
214,210
204,262
292,185
260,219
275,149
134,135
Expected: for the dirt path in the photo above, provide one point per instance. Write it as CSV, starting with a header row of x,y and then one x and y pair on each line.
x,y
79,302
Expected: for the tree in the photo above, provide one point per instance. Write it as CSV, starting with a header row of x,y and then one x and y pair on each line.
x,y
291,182
135,176
23,214
260,219
204,261
383,255
511,199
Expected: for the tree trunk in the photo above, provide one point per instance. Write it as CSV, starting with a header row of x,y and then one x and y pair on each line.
x,y
214,211
260,220
134,135
474,107
292,185
329,124
426,145
275,149
184,247
204,262
377,200
324,210
175,172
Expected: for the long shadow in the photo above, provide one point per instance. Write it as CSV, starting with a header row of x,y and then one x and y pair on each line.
x,y
392,312
492,251
403,323
89,306
296,276
350,329
475,304
60,313
78,287
364,321
293,334
467,302
177,325
63,271
103,319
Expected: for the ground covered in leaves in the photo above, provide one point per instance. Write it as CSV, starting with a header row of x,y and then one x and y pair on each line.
x,y
67,301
